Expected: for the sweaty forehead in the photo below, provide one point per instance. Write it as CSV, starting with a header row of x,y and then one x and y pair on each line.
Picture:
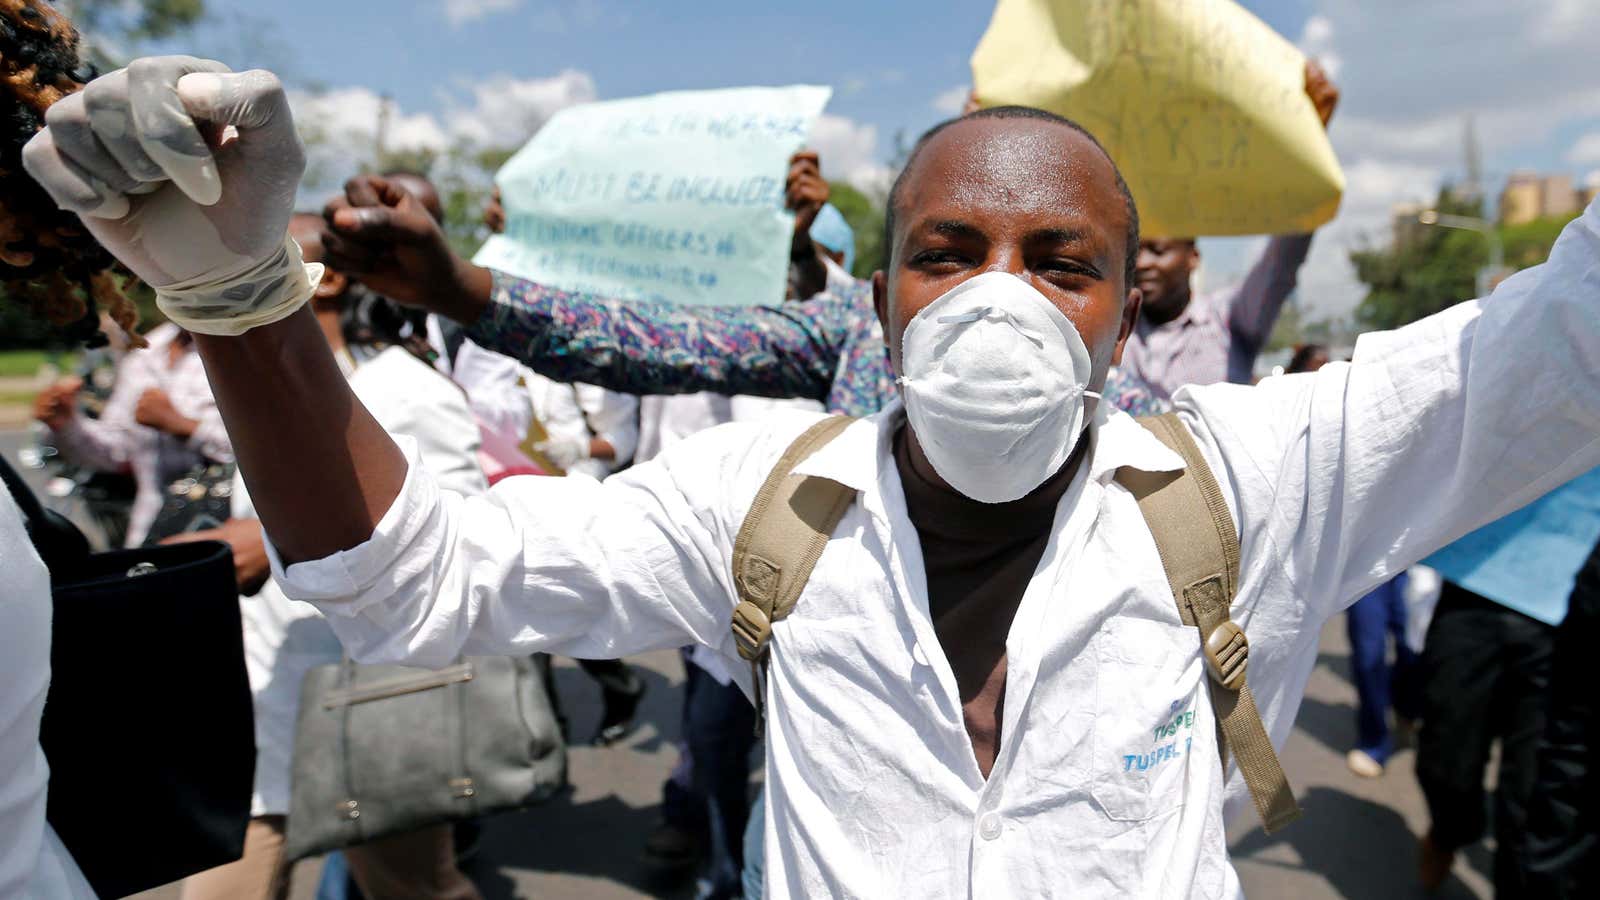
x,y
1008,169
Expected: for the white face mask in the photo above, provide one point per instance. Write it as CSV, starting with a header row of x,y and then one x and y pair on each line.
x,y
993,377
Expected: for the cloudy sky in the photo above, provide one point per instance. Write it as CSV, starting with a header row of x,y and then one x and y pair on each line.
x,y
490,71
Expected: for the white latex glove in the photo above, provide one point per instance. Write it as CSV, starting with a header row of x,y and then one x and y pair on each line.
x,y
145,157
564,451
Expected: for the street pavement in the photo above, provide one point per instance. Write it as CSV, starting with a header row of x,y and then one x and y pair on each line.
x,y
1357,839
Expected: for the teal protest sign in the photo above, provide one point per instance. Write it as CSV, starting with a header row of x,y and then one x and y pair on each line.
x,y
675,196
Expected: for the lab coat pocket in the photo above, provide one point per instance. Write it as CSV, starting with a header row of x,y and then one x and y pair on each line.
x,y
1148,681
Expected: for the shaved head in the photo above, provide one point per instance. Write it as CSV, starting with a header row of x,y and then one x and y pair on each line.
x,y
1027,113
1021,192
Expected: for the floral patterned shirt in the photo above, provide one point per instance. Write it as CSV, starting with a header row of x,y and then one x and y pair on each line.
x,y
828,348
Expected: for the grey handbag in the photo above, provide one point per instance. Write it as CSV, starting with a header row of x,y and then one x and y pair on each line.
x,y
382,750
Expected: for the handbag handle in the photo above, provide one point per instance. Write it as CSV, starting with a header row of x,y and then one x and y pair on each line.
x,y
57,541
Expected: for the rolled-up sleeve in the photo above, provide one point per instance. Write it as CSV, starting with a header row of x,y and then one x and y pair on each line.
x,y
568,565
654,347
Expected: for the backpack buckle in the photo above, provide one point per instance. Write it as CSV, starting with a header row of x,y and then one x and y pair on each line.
x,y
752,629
1228,655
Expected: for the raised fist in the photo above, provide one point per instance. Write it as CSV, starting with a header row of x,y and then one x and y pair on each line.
x,y
187,173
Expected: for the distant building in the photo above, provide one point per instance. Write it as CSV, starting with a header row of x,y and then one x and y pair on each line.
x,y
1557,196
1529,196
1520,200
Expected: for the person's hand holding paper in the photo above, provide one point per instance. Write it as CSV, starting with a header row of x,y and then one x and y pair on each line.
x,y
1202,105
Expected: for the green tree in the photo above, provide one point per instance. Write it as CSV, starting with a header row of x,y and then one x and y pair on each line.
x,y
1289,330
865,217
1438,267
113,29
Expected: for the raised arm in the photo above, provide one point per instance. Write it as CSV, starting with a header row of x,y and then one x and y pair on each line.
x,y
204,221
1254,309
771,350
1349,475
567,565
632,347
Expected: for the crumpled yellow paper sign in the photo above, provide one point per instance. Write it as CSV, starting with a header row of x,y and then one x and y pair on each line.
x,y
1200,103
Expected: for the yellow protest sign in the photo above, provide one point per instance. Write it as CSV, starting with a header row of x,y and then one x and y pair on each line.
x,y
1202,106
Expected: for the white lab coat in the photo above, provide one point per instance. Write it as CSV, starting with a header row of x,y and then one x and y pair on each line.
x,y
1107,782
578,412
33,863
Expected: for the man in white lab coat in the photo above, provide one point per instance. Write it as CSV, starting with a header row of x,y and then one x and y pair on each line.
x,y
1030,721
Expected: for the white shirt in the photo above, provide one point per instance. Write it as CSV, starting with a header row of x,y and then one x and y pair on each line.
x,y
284,640
33,863
117,442
578,412
1107,782
665,420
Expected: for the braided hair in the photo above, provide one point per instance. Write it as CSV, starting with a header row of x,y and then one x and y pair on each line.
x,y
47,258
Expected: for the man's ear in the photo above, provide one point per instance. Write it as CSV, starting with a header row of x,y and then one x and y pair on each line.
x,y
333,284
1194,255
880,298
1130,317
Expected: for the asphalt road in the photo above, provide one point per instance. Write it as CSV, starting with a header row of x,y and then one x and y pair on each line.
x,y
1357,839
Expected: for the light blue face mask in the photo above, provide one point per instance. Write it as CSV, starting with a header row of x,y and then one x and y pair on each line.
x,y
833,232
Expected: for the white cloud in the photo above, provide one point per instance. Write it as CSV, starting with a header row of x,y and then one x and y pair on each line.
x,y
340,126
849,152
1372,187
460,12
1317,30
1586,150
506,111
1316,41
950,102
1410,75
1564,21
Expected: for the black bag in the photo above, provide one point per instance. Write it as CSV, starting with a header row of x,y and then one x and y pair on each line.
x,y
149,709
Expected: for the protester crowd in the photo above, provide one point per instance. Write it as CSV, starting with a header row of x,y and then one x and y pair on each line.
x,y
437,461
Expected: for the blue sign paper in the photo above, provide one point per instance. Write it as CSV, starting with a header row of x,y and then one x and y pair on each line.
x,y
675,196
1529,560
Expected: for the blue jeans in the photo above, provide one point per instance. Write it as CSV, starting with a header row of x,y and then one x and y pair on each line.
x,y
755,849
711,783
1374,621
335,882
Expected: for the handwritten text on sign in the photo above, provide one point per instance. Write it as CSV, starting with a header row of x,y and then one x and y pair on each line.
x,y
675,197
1200,104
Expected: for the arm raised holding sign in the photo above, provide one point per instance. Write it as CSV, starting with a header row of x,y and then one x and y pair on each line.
x,y
1185,337
827,347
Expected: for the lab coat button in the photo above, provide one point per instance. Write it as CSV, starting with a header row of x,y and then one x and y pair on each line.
x,y
920,657
989,826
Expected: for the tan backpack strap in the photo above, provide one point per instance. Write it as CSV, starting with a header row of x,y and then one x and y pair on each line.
x,y
781,538
1199,548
